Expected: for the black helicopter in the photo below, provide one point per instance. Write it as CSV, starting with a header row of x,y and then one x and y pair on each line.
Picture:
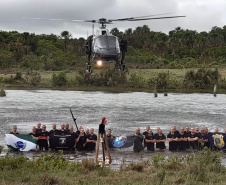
x,y
104,47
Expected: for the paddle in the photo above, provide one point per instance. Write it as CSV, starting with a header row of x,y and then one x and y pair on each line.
x,y
74,119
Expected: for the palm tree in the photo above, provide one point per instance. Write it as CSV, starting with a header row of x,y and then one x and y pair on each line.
x,y
66,36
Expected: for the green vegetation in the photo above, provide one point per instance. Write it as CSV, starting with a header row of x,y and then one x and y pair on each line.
x,y
203,167
180,61
2,93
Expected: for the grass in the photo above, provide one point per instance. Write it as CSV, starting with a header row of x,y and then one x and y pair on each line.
x,y
176,77
203,167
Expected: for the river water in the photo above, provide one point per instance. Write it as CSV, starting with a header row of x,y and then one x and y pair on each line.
x,y
124,111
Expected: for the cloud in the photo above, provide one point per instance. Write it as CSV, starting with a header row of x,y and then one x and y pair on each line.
x,y
201,14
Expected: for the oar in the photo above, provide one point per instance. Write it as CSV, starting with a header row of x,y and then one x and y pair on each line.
x,y
74,119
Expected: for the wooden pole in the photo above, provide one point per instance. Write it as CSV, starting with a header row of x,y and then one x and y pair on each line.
x,y
107,147
97,147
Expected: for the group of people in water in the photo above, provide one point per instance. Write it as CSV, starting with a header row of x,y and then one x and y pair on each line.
x,y
185,139
80,140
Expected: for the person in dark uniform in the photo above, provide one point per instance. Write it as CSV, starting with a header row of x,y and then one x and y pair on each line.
x,y
87,132
62,131
38,128
78,131
81,141
43,139
145,133
182,141
160,141
67,127
138,141
110,138
197,131
73,138
173,140
54,130
187,133
193,139
91,140
14,130
150,141
34,134
88,47
202,140
123,48
157,132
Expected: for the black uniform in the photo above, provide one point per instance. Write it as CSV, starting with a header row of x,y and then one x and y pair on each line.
x,y
13,133
182,145
43,143
193,144
91,146
204,137
54,132
173,144
160,145
81,142
137,144
123,48
145,134
35,135
38,130
186,135
110,140
150,146
89,48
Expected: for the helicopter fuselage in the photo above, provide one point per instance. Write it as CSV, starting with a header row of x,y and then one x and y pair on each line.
x,y
105,48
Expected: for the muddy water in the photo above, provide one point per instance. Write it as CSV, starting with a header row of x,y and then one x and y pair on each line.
x,y
124,111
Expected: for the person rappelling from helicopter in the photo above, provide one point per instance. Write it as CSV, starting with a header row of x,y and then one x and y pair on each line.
x,y
88,47
123,48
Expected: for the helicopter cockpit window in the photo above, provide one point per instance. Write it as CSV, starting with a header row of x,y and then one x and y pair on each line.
x,y
106,42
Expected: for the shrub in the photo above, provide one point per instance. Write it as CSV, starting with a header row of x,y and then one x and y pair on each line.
x,y
59,79
2,93
33,78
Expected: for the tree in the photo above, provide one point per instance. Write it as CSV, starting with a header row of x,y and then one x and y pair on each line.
x,y
66,36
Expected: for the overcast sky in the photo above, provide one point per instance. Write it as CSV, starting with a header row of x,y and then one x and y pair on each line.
x,y
201,15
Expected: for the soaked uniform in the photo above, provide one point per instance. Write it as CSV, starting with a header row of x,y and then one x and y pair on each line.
x,y
110,140
173,144
182,145
91,146
80,143
160,145
193,144
204,137
150,146
138,143
43,140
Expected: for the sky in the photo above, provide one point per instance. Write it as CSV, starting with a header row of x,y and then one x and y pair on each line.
x,y
201,15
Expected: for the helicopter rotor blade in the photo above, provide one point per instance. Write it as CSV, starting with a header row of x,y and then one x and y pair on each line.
x,y
126,19
152,18
53,19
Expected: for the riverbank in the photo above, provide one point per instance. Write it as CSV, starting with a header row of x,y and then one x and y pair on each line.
x,y
203,167
135,80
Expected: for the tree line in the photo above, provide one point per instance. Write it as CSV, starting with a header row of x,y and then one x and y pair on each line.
x,y
180,48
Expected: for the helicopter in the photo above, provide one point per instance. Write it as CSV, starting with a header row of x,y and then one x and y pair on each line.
x,y
105,47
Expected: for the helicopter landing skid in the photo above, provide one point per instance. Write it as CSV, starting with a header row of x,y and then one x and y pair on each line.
x,y
88,67
120,67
